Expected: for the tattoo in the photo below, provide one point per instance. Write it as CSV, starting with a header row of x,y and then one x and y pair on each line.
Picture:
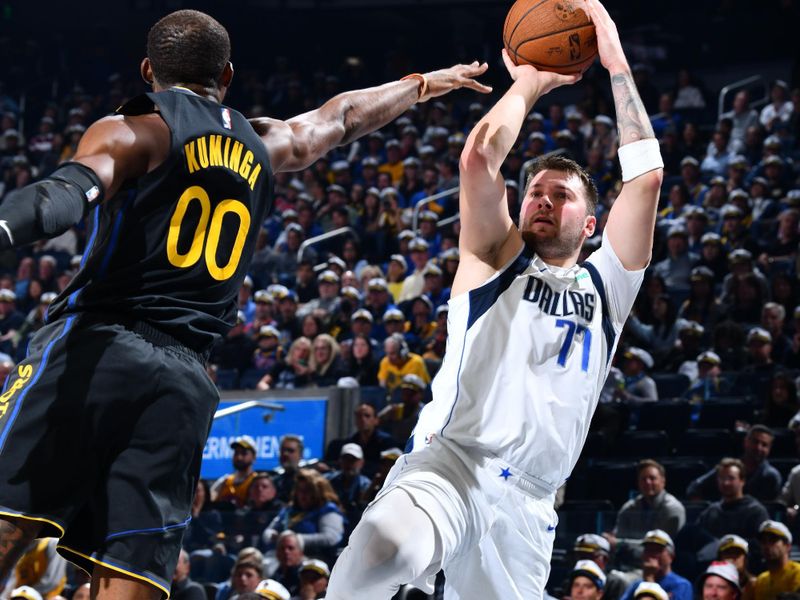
x,y
632,120
14,538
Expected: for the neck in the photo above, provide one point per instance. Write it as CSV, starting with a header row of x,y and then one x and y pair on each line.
x,y
242,473
209,93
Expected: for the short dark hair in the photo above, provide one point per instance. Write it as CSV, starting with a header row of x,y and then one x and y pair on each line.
x,y
731,463
188,46
555,162
760,428
648,463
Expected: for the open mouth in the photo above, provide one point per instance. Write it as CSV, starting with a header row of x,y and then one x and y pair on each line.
x,y
543,220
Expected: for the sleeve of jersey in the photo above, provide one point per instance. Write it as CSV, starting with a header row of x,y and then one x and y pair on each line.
x,y
621,285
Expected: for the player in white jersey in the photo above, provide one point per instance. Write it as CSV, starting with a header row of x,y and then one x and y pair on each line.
x,y
530,337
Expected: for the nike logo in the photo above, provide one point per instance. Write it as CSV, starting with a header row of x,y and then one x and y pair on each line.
x,y
551,528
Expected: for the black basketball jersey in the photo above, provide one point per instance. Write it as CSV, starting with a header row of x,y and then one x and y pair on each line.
x,y
173,247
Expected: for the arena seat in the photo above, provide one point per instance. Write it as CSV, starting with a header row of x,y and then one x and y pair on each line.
x,y
576,517
643,444
612,480
724,412
250,378
711,443
671,416
783,446
671,385
227,379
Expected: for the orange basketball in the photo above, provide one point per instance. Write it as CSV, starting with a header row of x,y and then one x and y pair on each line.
x,y
551,35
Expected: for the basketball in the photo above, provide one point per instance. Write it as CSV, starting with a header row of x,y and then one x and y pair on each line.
x,y
551,35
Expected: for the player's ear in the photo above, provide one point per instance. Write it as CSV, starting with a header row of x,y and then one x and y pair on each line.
x,y
589,226
146,70
227,75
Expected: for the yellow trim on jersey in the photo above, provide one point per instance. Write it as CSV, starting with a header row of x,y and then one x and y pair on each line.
x,y
38,519
118,569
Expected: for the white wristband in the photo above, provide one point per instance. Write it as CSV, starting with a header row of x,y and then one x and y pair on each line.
x,y
639,157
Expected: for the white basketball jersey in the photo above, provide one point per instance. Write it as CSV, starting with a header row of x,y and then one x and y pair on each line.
x,y
527,355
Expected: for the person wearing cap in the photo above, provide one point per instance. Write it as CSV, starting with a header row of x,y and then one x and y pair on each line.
x,y
269,352
780,249
399,361
265,312
314,577
235,350
400,416
652,507
596,548
429,232
232,488
735,512
681,358
639,387
587,581
349,484
394,321
433,287
648,590
328,285
773,319
368,436
779,109
39,570
707,381
735,549
272,590
702,306
414,283
676,268
718,154
24,592
756,377
782,574
658,553
720,582
713,257
377,302
396,271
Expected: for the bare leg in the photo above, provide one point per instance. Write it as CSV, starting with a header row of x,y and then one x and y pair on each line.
x,y
15,535
108,584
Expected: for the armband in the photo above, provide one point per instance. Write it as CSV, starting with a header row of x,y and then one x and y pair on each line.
x,y
639,157
423,83
49,207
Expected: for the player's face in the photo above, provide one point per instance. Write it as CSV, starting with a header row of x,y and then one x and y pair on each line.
x,y
583,589
716,588
553,217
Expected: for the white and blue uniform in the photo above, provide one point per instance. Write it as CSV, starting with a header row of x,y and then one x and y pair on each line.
x,y
527,355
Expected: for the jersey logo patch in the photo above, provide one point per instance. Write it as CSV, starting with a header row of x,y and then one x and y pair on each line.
x,y
226,118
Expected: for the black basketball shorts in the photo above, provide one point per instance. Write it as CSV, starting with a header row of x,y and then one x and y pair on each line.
x,y
102,429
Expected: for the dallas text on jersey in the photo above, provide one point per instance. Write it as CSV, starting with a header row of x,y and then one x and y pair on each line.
x,y
558,304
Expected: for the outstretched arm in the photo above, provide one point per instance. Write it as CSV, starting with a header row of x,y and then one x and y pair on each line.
x,y
635,208
296,143
488,236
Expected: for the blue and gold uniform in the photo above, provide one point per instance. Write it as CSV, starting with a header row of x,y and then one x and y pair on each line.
x,y
102,427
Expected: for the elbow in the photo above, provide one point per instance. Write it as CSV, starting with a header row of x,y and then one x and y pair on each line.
x,y
652,180
478,157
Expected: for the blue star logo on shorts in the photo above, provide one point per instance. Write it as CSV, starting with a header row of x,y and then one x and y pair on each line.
x,y
505,474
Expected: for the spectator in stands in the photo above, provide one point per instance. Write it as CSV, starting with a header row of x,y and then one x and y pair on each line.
x,y
755,378
639,387
782,574
349,484
720,582
269,589
688,94
361,363
291,453
261,507
294,372
372,440
235,351
712,256
289,552
422,325
232,488
735,512
728,342
719,154
314,576
745,300
677,267
761,479
658,553
268,353
741,115
587,581
378,302
326,363
690,172
734,549
400,416
773,320
780,249
790,493
10,321
206,522
708,382
247,573
683,355
780,107
398,362
660,336
652,508
782,403
313,513
328,299
183,588
597,549
414,283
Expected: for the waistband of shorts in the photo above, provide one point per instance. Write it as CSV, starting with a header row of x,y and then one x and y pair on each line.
x,y
150,333
528,484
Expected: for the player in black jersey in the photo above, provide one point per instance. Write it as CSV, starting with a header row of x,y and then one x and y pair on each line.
x,y
102,427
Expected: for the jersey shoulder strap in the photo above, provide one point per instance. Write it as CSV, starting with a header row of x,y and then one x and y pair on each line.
x,y
608,328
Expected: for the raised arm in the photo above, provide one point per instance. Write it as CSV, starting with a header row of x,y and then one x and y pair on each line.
x,y
488,236
634,210
296,143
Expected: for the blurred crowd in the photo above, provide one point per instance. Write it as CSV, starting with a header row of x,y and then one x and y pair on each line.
x,y
717,318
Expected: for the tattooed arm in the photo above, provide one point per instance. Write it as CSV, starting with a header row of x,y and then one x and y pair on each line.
x,y
635,208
